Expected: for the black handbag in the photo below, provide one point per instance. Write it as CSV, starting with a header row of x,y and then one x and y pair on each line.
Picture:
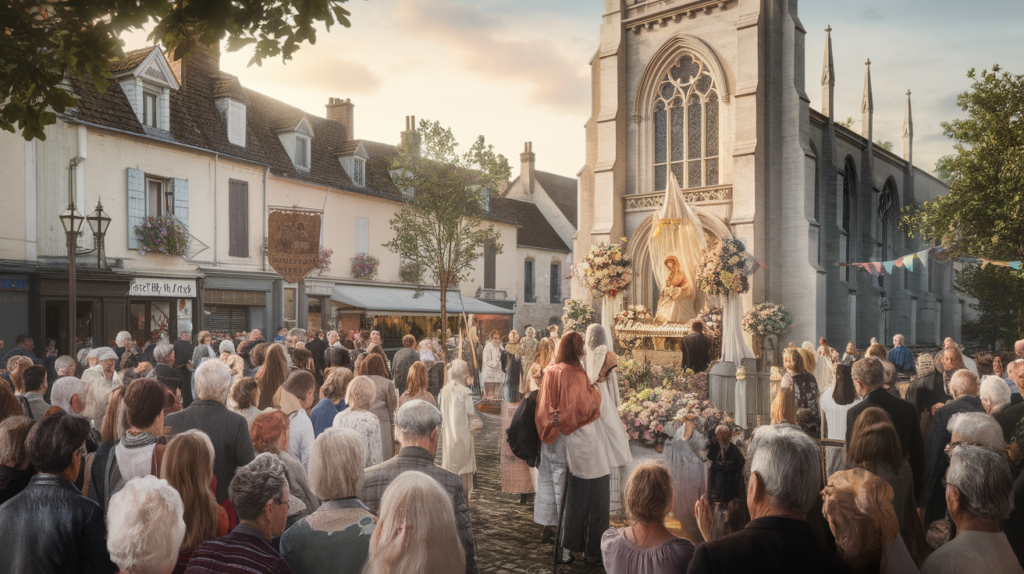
x,y
522,436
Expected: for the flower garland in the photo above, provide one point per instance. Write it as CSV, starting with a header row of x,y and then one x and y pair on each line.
x,y
578,316
724,269
766,319
605,270
164,234
364,266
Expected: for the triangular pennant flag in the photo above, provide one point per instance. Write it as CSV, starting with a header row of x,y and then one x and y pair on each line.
x,y
877,266
899,262
908,262
888,266
1015,265
923,257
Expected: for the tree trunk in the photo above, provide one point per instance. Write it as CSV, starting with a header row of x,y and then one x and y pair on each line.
x,y
444,318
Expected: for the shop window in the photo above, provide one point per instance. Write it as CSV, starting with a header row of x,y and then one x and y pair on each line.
x,y
529,295
222,318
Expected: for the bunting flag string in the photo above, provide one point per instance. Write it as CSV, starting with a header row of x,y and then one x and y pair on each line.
x,y
923,258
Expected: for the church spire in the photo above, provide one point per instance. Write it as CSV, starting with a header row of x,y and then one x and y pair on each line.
x,y
908,133
828,78
867,105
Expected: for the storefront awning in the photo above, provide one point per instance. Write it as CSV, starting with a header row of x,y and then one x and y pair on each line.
x,y
375,300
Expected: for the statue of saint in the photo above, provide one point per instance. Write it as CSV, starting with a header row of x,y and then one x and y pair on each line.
x,y
676,302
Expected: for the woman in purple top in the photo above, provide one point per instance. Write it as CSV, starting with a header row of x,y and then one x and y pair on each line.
x,y
646,547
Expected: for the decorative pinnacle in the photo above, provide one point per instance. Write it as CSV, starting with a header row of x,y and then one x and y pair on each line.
x,y
829,29
868,63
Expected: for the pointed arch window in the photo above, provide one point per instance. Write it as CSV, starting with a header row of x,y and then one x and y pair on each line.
x,y
888,216
846,239
686,126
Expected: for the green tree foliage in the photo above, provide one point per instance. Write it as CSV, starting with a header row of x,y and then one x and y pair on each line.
x,y
983,213
44,43
441,226
886,145
847,123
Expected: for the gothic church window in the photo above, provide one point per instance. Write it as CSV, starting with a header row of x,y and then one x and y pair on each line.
x,y
888,216
846,238
686,125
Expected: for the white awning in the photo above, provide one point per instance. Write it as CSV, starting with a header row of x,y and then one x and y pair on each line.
x,y
377,300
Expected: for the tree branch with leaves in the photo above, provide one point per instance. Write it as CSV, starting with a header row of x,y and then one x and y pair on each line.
x,y
441,227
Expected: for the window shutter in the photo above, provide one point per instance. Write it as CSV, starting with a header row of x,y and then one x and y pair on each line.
x,y
236,123
362,235
238,218
180,189
136,204
490,260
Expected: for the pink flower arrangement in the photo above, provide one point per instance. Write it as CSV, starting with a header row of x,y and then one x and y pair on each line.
x,y
364,266
606,270
164,234
766,319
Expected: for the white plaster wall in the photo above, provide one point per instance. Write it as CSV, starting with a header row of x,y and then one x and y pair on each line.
x,y
539,314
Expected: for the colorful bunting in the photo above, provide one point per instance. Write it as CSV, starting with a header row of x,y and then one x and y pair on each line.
x,y
924,256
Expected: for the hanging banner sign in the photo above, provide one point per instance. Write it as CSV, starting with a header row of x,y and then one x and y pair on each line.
x,y
294,242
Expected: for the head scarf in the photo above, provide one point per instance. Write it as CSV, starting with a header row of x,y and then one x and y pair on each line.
x,y
596,345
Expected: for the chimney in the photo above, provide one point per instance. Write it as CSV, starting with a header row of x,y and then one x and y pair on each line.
x,y
204,61
343,112
410,137
528,171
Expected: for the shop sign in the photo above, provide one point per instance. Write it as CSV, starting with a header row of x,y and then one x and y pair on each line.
x,y
159,287
294,242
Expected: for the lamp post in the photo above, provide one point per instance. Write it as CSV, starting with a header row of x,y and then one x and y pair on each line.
x,y
72,222
99,221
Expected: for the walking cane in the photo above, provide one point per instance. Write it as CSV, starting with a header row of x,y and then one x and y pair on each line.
x,y
561,520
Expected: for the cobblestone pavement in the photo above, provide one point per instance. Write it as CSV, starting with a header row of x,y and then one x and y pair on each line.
x,y
507,538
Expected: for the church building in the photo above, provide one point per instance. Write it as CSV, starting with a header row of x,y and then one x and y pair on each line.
x,y
713,93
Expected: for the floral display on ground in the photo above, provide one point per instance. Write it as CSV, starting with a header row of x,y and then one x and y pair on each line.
x,y
606,270
636,374
725,268
767,319
648,412
164,234
577,316
631,315
364,266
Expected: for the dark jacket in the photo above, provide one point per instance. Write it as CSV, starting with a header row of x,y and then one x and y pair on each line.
x,y
696,352
51,528
1013,526
725,476
183,352
1008,418
769,545
935,461
229,433
908,427
404,359
927,390
13,481
317,346
174,378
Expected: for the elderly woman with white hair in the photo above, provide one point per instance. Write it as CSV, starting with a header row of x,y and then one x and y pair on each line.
x,y
979,492
229,358
995,395
100,381
416,531
228,431
69,394
64,365
460,421
260,496
125,346
338,532
86,358
145,526
360,396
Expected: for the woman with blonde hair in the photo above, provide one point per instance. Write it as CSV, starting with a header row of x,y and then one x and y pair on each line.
x,y
818,365
188,468
416,382
332,399
357,416
272,374
416,532
458,454
245,394
16,366
805,391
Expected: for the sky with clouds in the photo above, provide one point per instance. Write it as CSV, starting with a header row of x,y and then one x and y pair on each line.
x,y
517,70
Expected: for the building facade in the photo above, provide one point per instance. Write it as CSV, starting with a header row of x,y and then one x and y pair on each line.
x,y
185,140
713,93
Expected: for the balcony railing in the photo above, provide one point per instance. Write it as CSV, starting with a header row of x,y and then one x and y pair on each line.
x,y
492,294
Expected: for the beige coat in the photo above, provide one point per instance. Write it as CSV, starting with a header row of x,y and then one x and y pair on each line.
x,y
458,454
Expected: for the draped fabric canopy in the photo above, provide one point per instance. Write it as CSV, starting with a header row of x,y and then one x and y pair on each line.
x,y
676,246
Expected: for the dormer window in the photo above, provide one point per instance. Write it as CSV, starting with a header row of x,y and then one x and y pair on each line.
x,y
359,173
232,112
147,81
301,152
353,156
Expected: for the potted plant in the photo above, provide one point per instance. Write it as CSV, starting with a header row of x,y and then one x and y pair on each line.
x,y
364,266
163,234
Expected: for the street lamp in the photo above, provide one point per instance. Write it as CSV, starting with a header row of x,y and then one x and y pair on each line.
x,y
72,222
99,221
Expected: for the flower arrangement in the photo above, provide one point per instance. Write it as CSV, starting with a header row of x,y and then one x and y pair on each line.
x,y
323,265
164,234
577,316
767,319
724,269
712,319
646,413
410,272
364,266
605,270
708,415
633,314
642,374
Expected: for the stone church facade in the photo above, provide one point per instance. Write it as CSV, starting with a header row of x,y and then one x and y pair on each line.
x,y
714,93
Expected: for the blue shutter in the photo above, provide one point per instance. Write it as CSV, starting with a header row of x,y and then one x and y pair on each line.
x,y
136,204
180,189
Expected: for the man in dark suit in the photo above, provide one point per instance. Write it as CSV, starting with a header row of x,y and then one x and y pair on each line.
x,y
228,431
868,376
317,346
696,348
177,379
931,499
183,349
785,476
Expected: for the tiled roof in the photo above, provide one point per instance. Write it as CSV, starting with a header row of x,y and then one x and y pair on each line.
x,y
228,86
130,61
534,229
561,190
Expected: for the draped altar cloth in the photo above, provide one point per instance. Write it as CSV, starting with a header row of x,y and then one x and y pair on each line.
x,y
676,246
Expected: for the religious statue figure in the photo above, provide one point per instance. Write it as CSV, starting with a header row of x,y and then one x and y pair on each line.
x,y
676,302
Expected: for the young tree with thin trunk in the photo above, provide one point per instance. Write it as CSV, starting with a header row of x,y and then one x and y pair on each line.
x,y
441,226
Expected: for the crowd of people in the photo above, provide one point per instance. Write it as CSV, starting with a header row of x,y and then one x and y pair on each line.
x,y
318,453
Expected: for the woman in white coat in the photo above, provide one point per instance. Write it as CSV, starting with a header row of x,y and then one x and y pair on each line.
x,y
492,378
458,454
600,362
